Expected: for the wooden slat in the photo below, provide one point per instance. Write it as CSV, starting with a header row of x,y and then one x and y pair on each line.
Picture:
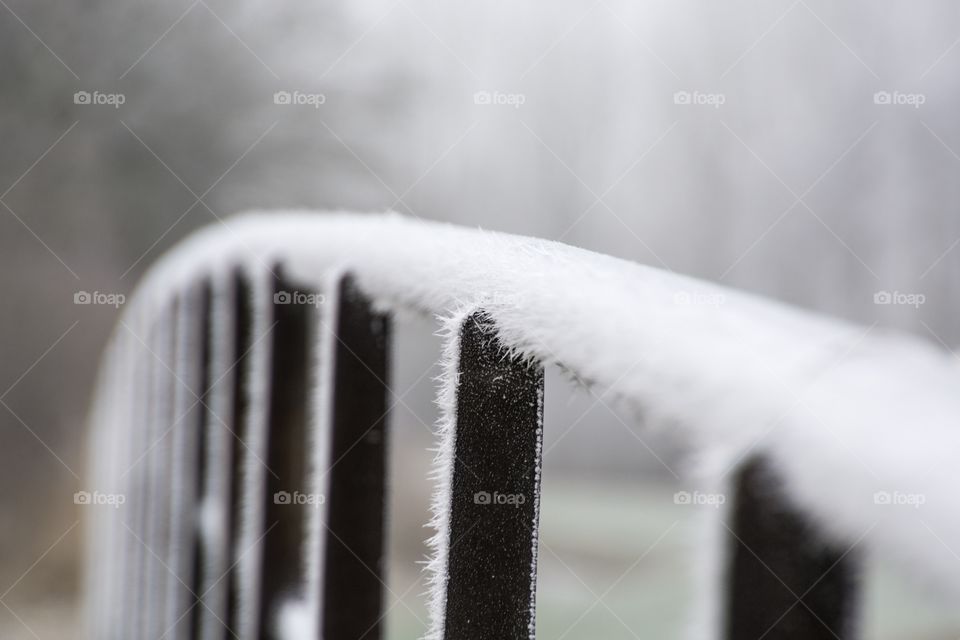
x,y
494,507
785,583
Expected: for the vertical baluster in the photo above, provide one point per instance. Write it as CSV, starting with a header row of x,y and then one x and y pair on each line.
x,y
109,451
229,336
494,502
135,480
181,491
149,535
251,466
128,432
347,562
785,583
245,347
282,568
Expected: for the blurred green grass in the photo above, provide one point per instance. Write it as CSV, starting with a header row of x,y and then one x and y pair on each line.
x,y
629,544
592,538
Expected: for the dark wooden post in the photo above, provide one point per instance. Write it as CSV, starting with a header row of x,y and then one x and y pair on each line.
x,y
785,582
494,508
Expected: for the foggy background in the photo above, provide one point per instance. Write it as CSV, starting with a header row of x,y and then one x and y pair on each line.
x,y
801,150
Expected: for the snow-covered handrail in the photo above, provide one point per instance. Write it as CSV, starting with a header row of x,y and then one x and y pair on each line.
x,y
843,417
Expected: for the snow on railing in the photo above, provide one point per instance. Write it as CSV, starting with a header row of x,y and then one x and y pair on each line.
x,y
249,377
